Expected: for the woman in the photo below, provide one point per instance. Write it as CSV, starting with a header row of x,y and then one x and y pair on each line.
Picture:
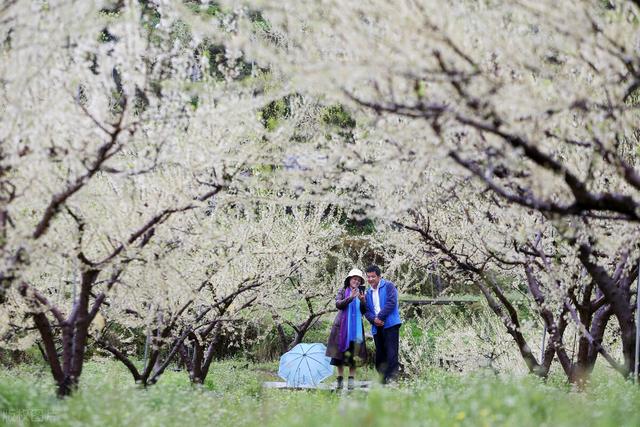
x,y
346,341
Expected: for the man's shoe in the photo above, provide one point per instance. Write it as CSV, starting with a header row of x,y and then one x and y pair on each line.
x,y
339,384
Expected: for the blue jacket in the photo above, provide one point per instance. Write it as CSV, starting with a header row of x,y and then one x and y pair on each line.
x,y
389,309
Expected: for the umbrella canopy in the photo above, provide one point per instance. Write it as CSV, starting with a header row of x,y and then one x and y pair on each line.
x,y
305,365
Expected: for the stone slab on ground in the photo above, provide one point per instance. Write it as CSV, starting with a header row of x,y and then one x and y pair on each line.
x,y
359,385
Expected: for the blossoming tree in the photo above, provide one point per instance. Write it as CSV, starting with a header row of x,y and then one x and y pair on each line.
x,y
536,101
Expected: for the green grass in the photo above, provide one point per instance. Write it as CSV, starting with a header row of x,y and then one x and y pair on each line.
x,y
233,396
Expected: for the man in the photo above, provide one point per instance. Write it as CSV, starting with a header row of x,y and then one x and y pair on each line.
x,y
384,316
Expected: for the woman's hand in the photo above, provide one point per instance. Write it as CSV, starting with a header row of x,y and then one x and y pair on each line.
x,y
361,296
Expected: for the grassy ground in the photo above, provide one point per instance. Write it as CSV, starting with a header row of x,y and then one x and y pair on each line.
x,y
233,396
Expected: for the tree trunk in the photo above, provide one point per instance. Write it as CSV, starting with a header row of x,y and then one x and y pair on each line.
x,y
618,296
195,374
80,322
215,339
510,321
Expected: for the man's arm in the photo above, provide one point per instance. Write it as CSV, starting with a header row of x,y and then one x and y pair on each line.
x,y
390,303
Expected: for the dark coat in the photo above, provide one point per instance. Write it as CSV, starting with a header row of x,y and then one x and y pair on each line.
x,y
333,345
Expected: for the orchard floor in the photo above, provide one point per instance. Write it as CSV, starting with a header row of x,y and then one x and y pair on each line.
x,y
233,396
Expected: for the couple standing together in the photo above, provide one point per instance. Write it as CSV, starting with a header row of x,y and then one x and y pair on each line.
x,y
379,305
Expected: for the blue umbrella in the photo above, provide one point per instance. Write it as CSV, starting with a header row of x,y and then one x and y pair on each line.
x,y
305,365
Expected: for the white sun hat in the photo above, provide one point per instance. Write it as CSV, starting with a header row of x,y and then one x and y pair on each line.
x,y
354,273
